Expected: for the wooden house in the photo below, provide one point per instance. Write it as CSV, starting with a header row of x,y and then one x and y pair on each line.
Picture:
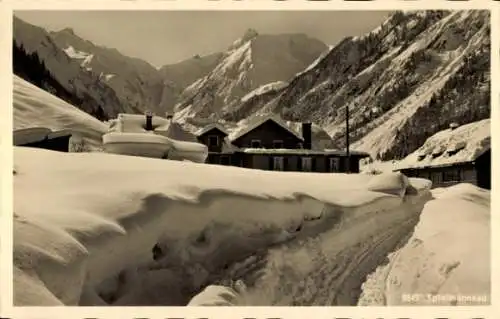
x,y
268,143
456,155
41,137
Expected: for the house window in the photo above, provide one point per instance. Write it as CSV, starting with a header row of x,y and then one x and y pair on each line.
x,y
213,140
451,176
255,144
277,144
335,164
278,163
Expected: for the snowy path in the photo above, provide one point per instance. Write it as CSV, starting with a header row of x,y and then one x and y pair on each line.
x,y
330,268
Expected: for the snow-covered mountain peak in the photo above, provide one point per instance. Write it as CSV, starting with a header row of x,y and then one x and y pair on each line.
x,y
70,31
250,62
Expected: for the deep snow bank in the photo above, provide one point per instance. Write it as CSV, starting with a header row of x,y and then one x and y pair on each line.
x,y
94,228
34,107
447,259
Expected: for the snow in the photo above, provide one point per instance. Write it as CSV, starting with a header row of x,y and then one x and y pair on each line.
x,y
34,107
380,77
106,77
273,86
209,127
36,134
470,140
137,144
128,136
30,135
84,219
316,62
440,265
80,55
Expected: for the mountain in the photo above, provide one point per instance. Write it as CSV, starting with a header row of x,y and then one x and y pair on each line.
x,y
188,71
117,83
250,62
137,84
404,81
95,95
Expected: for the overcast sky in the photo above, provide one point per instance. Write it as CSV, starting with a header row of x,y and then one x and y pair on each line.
x,y
163,37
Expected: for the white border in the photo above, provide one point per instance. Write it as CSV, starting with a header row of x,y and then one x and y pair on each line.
x,y
6,8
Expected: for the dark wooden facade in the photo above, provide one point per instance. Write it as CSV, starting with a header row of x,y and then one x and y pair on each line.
x,y
320,163
269,135
59,143
291,162
477,172
213,139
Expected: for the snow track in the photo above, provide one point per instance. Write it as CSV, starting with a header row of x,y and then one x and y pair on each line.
x,y
329,268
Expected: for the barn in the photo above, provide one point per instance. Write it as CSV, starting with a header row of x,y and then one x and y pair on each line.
x,y
459,154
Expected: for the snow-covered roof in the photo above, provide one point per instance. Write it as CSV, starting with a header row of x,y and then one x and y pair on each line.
x,y
210,127
36,134
258,120
460,145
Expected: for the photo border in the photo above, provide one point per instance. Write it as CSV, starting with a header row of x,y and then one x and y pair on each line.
x,y
6,153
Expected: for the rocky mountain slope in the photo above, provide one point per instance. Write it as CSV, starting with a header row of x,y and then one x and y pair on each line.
x,y
411,77
84,85
250,62
124,84
137,84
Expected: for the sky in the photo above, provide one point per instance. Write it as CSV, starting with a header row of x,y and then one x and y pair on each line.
x,y
167,37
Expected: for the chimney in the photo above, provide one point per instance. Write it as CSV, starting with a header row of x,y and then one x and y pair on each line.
x,y
149,121
306,134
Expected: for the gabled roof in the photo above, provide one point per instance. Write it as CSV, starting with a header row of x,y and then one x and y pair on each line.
x,y
451,146
210,127
257,121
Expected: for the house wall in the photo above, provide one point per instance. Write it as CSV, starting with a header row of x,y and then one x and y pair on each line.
x,y
60,144
292,162
222,158
446,176
205,137
266,133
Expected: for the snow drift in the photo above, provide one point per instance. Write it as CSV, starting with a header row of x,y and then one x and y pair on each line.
x,y
123,230
447,259
34,107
